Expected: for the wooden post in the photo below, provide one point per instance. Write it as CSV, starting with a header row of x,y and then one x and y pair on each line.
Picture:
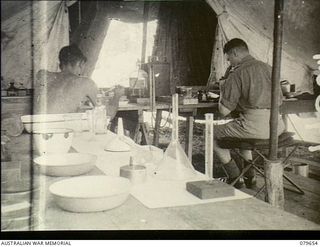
x,y
209,146
274,183
273,167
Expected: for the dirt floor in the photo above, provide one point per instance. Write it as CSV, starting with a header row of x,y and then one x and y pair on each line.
x,y
305,206
198,150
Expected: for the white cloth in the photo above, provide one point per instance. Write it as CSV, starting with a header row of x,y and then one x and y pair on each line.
x,y
58,37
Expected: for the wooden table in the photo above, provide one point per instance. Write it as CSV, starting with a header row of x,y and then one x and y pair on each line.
x,y
22,106
188,111
246,214
198,110
19,105
293,106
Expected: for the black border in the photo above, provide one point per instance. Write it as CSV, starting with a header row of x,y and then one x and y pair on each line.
x,y
162,235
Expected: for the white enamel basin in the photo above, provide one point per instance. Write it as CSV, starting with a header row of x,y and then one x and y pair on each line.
x,y
90,193
49,141
74,121
69,164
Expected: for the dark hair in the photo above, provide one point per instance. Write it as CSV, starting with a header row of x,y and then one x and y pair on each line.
x,y
235,43
71,55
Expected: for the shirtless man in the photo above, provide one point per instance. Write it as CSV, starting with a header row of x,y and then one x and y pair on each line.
x,y
67,91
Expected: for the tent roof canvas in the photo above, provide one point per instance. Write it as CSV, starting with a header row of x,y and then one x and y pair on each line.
x,y
301,36
301,25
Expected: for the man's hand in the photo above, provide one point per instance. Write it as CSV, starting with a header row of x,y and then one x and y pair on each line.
x,y
212,86
113,104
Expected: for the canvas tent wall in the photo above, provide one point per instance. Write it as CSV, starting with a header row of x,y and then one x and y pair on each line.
x,y
32,33
28,37
252,21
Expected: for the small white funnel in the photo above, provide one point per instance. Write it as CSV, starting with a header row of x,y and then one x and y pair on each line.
x,y
175,164
120,130
116,144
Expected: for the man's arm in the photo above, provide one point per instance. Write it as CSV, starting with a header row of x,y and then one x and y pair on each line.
x,y
113,104
91,91
229,94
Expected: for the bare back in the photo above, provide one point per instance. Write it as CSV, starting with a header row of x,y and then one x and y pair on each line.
x,y
62,92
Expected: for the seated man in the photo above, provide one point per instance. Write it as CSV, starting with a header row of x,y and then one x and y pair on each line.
x,y
247,89
67,91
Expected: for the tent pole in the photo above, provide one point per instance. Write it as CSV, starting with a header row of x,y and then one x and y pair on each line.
x,y
273,167
79,12
277,48
145,29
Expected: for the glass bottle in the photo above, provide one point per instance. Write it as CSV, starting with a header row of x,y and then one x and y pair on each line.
x,y
138,81
12,90
100,116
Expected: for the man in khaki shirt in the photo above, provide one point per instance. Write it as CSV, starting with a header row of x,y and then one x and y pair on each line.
x,y
247,89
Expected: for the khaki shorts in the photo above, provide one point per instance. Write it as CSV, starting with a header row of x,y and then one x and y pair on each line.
x,y
252,125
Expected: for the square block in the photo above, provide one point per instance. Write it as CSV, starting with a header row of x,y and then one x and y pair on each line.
x,y
210,189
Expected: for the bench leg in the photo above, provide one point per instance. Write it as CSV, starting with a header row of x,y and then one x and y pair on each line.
x,y
300,191
157,128
145,135
188,148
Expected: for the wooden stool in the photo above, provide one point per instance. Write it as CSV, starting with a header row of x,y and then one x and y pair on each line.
x,y
256,145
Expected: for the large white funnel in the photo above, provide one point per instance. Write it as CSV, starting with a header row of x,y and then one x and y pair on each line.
x,y
175,164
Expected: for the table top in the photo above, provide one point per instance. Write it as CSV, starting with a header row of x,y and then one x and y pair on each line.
x,y
246,214
289,106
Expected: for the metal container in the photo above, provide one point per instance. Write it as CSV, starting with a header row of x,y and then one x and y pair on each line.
x,y
137,174
301,169
285,87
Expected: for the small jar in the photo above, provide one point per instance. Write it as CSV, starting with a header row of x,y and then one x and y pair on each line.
x,y
200,94
100,119
12,90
